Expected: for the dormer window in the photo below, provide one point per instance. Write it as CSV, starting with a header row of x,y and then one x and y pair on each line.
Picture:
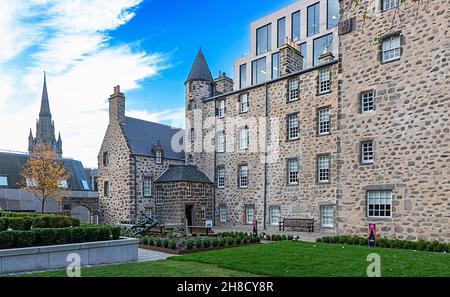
x,y
158,156
3,181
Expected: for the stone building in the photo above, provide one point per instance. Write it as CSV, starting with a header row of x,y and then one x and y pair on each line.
x,y
394,119
184,195
340,112
83,199
133,156
362,134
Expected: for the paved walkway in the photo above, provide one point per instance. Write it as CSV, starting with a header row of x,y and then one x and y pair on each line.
x,y
149,255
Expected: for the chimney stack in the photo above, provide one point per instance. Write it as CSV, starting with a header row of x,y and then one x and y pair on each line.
x,y
224,84
291,59
326,56
117,106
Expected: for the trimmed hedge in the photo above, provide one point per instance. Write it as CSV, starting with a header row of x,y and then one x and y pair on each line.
x,y
420,245
55,236
25,222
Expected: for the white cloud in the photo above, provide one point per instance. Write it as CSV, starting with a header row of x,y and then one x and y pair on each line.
x,y
70,40
172,117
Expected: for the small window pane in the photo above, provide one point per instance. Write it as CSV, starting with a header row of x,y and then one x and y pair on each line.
x,y
313,19
391,48
281,31
243,176
388,4
323,167
327,217
302,48
243,76
147,187
324,81
249,214
293,89
243,138
379,203
3,181
274,215
296,26
221,176
332,13
275,65
221,142
293,126
367,152
324,121
243,103
83,182
223,214
263,39
293,171
367,102
319,47
259,71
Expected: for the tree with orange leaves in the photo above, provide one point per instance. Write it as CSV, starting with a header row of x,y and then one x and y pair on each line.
x,y
45,175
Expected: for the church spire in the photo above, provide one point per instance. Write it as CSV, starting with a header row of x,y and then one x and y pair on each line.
x,y
45,106
200,69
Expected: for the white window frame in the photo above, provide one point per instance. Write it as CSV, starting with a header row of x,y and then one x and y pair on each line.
x,y
147,187
327,216
274,216
158,157
391,48
293,126
243,103
249,214
221,109
220,176
367,102
189,190
367,156
324,81
3,181
389,4
221,142
293,90
324,121
203,212
159,196
223,213
379,198
323,169
244,138
292,171
243,176
203,190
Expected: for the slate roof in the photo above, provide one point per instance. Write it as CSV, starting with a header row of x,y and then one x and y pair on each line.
x,y
188,173
11,165
143,135
200,69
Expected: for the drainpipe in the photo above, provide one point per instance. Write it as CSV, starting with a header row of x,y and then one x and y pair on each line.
x,y
265,157
135,189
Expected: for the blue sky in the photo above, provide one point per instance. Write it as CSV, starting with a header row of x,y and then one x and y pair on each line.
x,y
180,28
88,46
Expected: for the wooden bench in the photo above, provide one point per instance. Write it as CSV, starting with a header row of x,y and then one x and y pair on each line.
x,y
297,223
161,229
200,230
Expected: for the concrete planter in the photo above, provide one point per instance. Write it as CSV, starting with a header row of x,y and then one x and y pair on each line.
x,y
55,256
193,250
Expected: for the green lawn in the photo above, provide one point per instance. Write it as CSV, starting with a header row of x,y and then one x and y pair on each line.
x,y
283,259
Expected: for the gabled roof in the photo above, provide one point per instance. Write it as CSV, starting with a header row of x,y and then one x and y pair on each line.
x,y
11,165
187,173
200,69
143,136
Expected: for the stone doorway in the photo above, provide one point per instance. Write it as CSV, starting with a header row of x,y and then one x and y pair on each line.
x,y
81,212
189,212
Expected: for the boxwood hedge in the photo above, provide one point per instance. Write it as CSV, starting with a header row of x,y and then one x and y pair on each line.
x,y
55,236
27,221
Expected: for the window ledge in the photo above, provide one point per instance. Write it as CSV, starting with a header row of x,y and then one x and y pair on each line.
x,y
389,61
324,93
291,140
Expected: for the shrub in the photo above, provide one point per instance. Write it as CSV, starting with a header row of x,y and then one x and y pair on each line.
x,y
115,232
23,238
158,242
151,241
189,245
78,234
6,239
144,240
283,237
166,243
422,245
206,243
215,242
230,240
290,237
90,234
198,243
63,235
244,240
237,241
222,241
173,244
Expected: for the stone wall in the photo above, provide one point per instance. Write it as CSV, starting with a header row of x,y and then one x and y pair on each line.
x,y
117,206
174,200
268,184
410,125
